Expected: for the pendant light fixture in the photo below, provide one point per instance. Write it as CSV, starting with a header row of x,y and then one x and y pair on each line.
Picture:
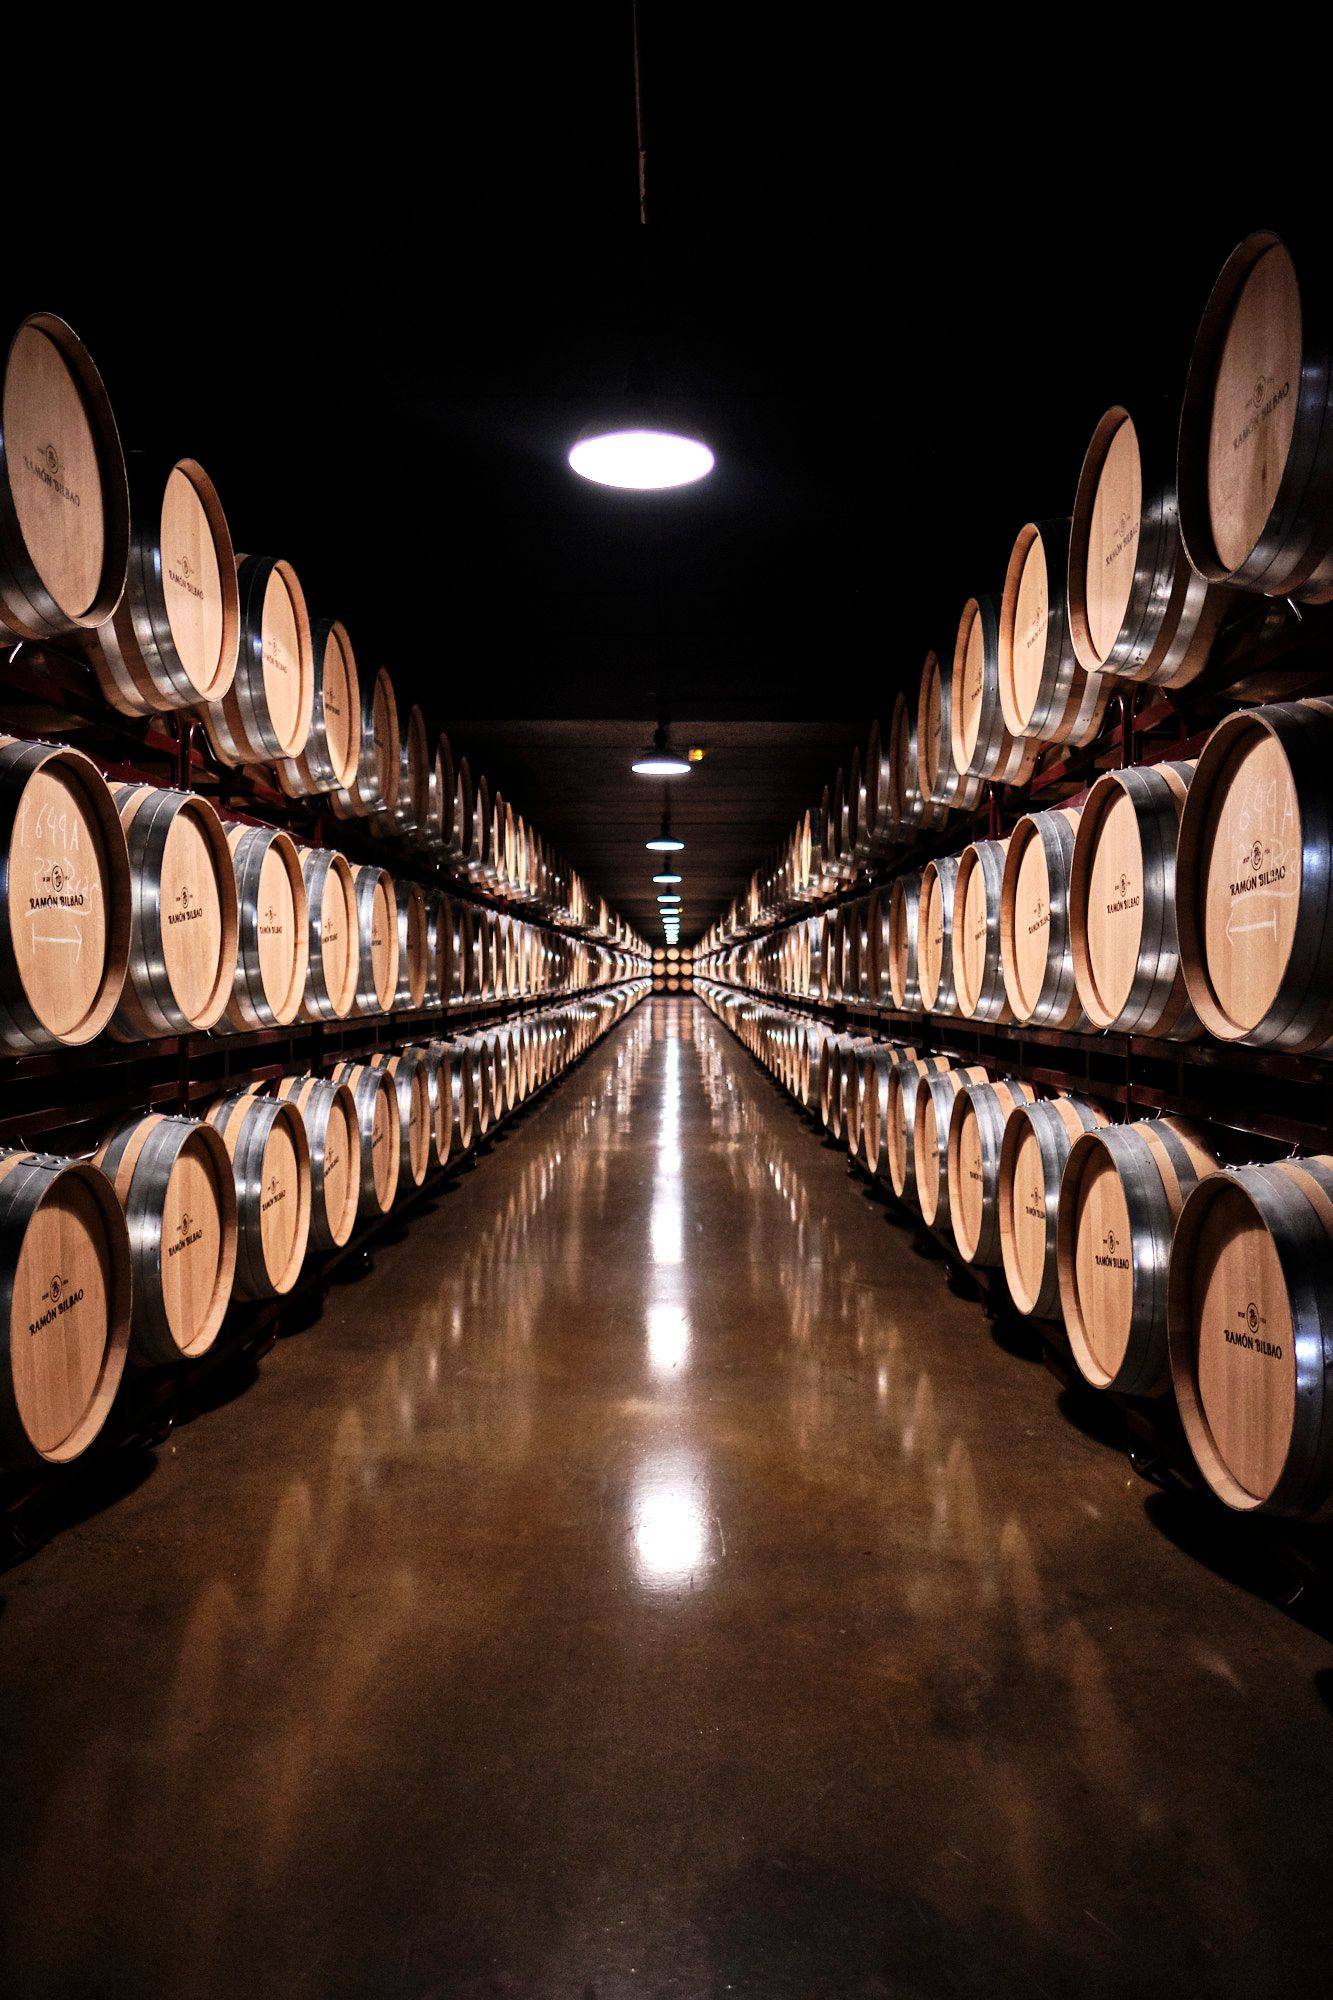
x,y
666,842
659,760
667,877
641,455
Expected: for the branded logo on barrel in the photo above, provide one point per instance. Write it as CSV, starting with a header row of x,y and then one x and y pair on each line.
x,y
58,1298
181,571
188,909
45,463
56,890
1262,865
276,1193
187,1233
1121,899
1111,1256
1248,1334
1265,397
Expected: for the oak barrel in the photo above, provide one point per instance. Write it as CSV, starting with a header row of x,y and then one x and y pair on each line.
x,y
414,946
64,502
981,740
439,1082
1122,902
1036,1145
329,758
934,951
172,641
1035,951
333,1134
1137,606
1122,1190
273,929
904,934
930,1139
270,1159
1255,464
334,956
401,817
381,1134
183,929
1250,1315
265,713
943,781
1044,692
977,1125
65,1290
1254,887
374,783
174,1180
878,1064
65,919
978,970
377,934
411,1082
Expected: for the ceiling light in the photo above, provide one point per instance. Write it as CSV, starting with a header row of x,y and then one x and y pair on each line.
x,y
666,901
644,460
664,844
667,877
659,760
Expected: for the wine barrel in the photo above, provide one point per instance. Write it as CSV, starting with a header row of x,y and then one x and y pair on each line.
x,y
904,936
401,817
329,758
978,972
935,972
910,810
461,1087
265,713
65,919
1035,951
930,1140
880,827
411,1081
942,780
439,1063
981,743
1122,902
183,926
439,949
900,1152
434,833
334,956
64,501
1122,1190
377,936
1035,1147
174,1180
1044,692
1137,606
270,1159
374,785
1255,466
878,1063
333,1134
831,1100
1250,1315
65,1328
460,833
414,946
273,929
1254,898
977,1124
172,640
485,1085
378,1120
853,1100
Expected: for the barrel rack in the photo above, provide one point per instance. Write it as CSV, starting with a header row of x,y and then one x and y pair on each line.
x,y
65,1099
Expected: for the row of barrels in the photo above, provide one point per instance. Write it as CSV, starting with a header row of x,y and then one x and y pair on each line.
x,y
137,1253
1170,1272
140,910
1177,898
136,567
1175,531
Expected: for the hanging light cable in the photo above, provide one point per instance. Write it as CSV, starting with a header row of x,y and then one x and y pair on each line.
x,y
640,457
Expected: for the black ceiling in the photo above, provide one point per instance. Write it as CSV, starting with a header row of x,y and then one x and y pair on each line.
x,y
898,357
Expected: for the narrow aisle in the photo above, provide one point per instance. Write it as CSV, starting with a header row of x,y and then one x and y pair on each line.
x,y
650,1580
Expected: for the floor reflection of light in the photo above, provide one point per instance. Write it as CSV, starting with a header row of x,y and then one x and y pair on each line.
x,y
670,1513
667,1224
668,1336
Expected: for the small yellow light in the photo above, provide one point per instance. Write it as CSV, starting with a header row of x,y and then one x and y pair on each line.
x,y
696,756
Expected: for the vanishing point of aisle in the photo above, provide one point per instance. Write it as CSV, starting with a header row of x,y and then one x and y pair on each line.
x,y
651,1580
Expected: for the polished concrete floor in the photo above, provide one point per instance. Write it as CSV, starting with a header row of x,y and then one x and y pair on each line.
x,y
651,1580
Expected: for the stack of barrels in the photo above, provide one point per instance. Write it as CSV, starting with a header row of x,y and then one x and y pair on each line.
x,y
143,912
673,970
1169,1274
